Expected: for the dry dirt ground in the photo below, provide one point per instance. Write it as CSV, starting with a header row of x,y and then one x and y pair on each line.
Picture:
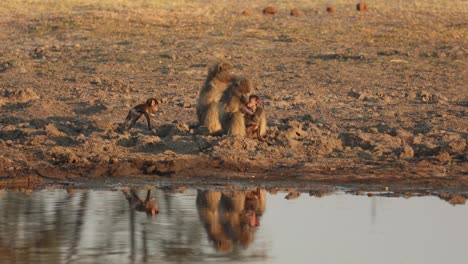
x,y
373,98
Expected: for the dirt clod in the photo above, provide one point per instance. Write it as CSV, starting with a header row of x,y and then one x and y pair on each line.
x,y
331,10
269,10
362,6
295,12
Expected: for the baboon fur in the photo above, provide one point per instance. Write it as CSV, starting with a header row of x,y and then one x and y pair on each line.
x,y
218,79
259,120
234,98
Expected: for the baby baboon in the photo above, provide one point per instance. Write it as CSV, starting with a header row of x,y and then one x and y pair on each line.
x,y
136,112
255,118
231,105
218,79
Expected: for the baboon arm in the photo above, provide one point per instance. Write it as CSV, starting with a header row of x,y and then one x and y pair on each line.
x,y
258,115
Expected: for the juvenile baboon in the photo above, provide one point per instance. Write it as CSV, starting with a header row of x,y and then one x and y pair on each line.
x,y
136,112
255,118
230,108
149,205
218,79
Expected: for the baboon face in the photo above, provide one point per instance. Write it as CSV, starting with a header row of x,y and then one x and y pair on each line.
x,y
242,89
223,71
152,104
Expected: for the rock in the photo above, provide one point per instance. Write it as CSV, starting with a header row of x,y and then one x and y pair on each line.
x,y
457,146
39,52
52,131
407,152
453,199
269,10
331,10
439,98
64,155
292,195
247,13
295,12
411,95
444,157
96,81
361,6
457,199
425,96
183,127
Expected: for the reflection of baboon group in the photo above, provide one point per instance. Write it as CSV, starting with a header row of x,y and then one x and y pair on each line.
x,y
230,217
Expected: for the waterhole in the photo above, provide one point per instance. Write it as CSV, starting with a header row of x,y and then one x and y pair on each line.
x,y
228,226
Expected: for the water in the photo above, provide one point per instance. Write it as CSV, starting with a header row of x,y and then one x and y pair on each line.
x,y
53,226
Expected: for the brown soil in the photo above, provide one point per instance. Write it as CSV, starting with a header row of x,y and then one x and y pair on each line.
x,y
372,98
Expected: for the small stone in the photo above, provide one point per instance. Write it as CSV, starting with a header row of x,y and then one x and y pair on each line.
x,y
444,157
269,10
425,96
96,81
457,199
247,13
51,130
361,6
331,10
295,12
407,153
169,153
292,195
411,95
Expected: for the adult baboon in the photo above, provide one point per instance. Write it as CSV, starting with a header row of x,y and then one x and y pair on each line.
x,y
218,79
232,102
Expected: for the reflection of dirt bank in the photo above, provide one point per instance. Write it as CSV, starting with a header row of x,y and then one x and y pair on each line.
x,y
346,104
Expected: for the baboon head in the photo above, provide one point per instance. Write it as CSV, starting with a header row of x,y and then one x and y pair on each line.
x,y
152,104
242,88
221,71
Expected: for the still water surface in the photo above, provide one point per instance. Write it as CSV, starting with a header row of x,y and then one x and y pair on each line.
x,y
207,226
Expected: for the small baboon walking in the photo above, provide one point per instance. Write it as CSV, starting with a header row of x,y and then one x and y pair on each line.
x,y
136,112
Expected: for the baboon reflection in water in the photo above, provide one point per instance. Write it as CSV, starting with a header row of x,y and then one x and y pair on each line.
x,y
148,206
230,217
